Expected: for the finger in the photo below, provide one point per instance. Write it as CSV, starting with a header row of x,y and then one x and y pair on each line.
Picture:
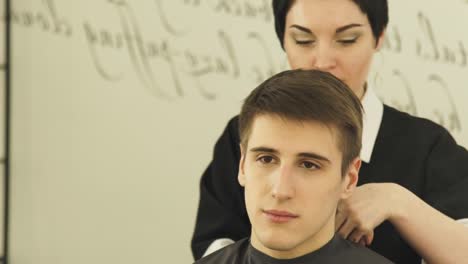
x,y
369,237
362,237
356,236
346,228
362,242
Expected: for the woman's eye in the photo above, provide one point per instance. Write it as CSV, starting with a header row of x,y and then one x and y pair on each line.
x,y
266,159
310,165
303,42
347,41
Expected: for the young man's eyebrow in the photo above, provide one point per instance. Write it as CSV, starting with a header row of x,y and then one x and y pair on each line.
x,y
263,149
315,156
310,155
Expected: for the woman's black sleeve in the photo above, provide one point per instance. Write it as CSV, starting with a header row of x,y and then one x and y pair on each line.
x,y
446,187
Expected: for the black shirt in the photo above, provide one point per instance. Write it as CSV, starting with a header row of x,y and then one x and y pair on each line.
x,y
412,152
338,250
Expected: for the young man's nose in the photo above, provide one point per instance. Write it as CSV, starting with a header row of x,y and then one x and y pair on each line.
x,y
283,184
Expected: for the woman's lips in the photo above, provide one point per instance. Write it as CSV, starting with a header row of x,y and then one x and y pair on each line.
x,y
278,216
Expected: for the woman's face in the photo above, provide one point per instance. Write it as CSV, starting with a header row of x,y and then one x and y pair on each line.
x,y
333,36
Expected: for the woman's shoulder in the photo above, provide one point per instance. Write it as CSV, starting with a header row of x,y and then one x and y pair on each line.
x,y
230,133
398,122
233,123
232,129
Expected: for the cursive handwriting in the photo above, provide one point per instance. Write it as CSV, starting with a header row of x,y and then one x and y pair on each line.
x,y
200,65
104,39
250,9
164,18
131,40
48,21
154,58
142,52
436,52
448,119
392,40
410,107
262,72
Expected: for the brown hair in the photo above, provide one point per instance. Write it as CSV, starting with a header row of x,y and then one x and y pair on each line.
x,y
308,95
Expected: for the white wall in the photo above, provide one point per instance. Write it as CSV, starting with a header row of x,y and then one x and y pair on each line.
x,y
116,108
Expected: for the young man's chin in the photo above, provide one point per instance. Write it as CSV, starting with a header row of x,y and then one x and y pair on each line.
x,y
280,246
277,243
285,249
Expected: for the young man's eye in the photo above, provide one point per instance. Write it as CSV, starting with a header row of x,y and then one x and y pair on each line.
x,y
310,165
265,159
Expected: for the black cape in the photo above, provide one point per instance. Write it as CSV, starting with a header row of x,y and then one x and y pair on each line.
x,y
337,251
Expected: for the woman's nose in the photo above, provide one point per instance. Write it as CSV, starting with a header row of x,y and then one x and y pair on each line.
x,y
324,58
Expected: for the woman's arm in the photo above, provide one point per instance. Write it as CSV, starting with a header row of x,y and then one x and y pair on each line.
x,y
434,236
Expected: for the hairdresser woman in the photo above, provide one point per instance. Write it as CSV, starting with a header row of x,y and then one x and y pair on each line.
x,y
413,178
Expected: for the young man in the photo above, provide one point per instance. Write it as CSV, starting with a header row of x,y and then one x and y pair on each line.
x,y
300,139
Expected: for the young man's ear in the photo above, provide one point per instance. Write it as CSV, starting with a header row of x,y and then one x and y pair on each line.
x,y
241,174
351,178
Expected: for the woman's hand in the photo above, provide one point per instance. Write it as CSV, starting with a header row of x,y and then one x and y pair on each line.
x,y
369,206
373,203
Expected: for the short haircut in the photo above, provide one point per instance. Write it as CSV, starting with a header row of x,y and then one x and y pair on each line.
x,y
308,95
376,11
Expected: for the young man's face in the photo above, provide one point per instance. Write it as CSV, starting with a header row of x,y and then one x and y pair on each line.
x,y
291,172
